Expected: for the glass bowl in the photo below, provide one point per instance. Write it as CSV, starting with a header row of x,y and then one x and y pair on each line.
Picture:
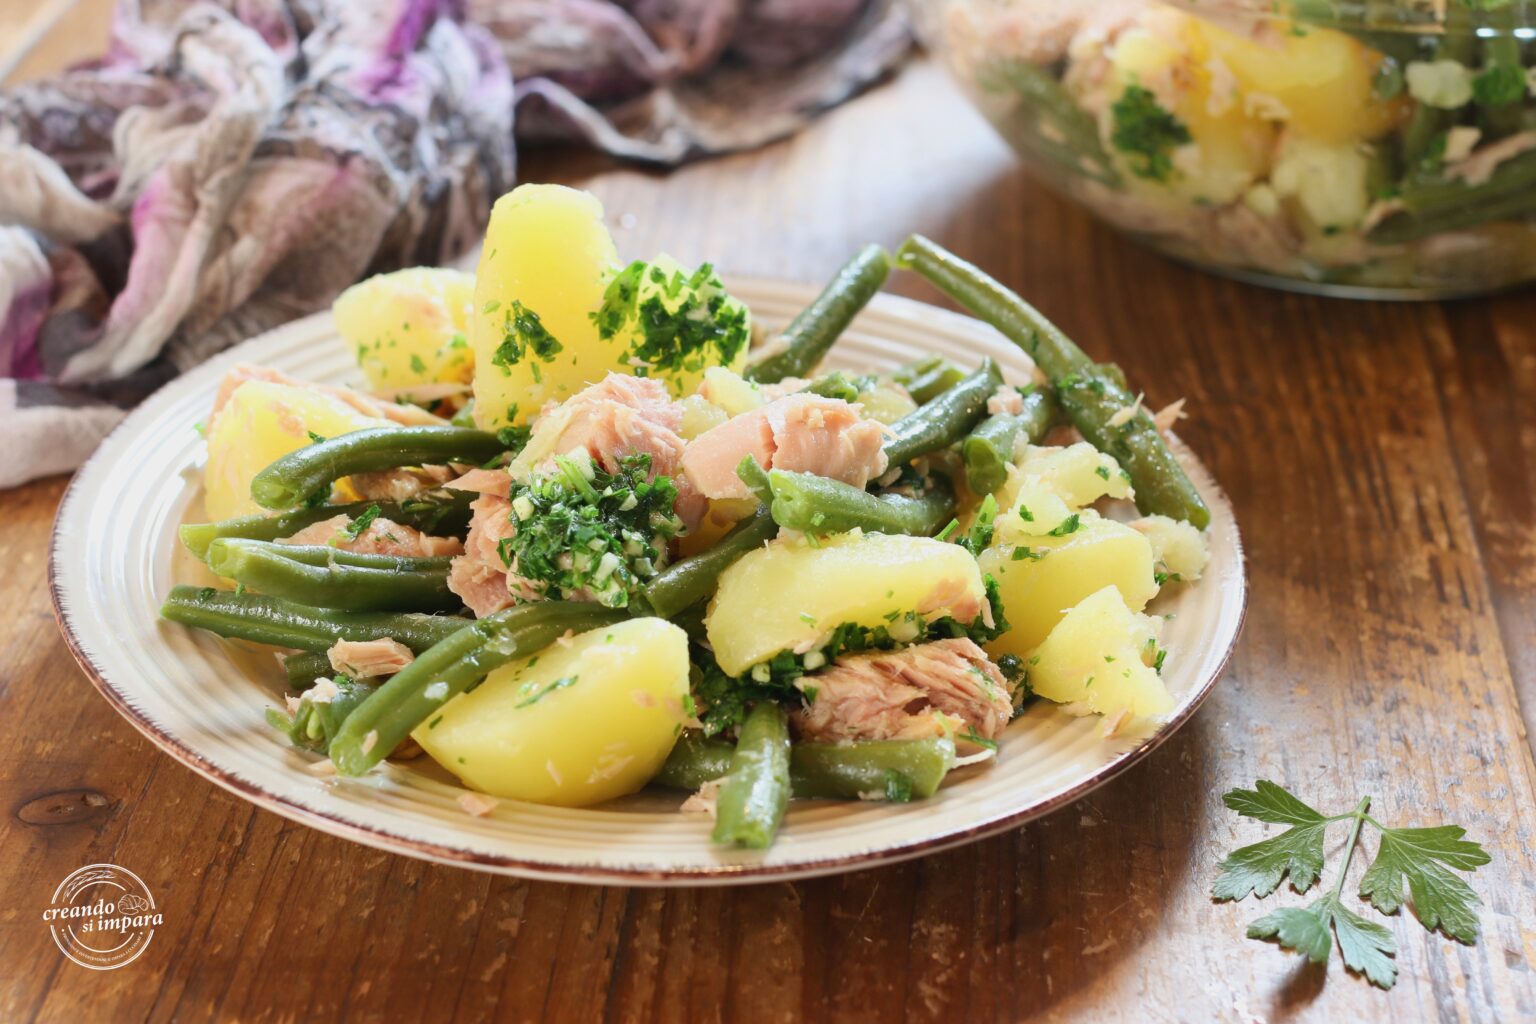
x,y
1366,148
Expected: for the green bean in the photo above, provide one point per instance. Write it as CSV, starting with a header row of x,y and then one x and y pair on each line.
x,y
906,373
839,385
1501,51
755,793
818,504
1092,403
932,383
263,567
946,419
316,723
324,554
1381,26
1090,397
1075,144
751,473
303,669
373,731
441,513
899,769
1428,209
988,451
687,582
805,342
985,297
268,620
1427,125
298,476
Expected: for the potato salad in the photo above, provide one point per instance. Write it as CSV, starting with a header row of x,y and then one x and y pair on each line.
x,y
585,528
1387,145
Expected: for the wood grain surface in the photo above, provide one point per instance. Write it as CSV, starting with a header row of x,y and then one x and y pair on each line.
x,y
1382,460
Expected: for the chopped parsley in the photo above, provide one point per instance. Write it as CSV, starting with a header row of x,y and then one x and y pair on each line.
x,y
1147,133
584,531
524,334
673,321
1066,526
979,536
417,366
355,528
972,736
316,438
539,694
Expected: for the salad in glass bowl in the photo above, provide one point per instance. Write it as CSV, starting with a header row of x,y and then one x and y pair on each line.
x,y
1355,147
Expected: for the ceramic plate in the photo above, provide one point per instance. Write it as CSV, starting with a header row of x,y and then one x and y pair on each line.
x,y
115,555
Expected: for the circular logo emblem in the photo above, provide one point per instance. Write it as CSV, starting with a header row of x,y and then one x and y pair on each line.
x,y
102,916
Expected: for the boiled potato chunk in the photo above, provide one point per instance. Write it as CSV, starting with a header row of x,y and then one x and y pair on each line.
x,y
576,724
698,417
720,516
1229,147
1080,474
729,391
409,328
886,404
1330,182
1101,655
1041,577
1048,484
260,423
543,270
1177,547
1318,79
789,594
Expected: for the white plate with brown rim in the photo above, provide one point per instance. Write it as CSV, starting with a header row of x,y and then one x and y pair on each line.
x,y
115,555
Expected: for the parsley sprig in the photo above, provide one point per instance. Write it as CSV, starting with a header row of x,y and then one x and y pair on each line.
x,y
1421,857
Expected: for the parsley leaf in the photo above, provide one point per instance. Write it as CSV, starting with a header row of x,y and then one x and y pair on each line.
x,y
1367,947
1422,857
1440,899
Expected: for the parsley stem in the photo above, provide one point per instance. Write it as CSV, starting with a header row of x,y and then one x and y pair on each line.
x,y
1354,837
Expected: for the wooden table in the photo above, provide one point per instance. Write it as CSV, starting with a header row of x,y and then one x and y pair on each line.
x,y
1382,460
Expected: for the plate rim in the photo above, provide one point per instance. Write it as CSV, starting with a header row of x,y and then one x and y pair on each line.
x,y
717,874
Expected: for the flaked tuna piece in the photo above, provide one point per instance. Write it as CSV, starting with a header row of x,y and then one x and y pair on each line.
x,y
912,693
618,416
803,433
366,404
483,481
399,484
1005,400
380,537
364,659
479,576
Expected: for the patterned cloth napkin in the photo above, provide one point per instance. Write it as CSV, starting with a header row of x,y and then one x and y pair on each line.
x,y
229,166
